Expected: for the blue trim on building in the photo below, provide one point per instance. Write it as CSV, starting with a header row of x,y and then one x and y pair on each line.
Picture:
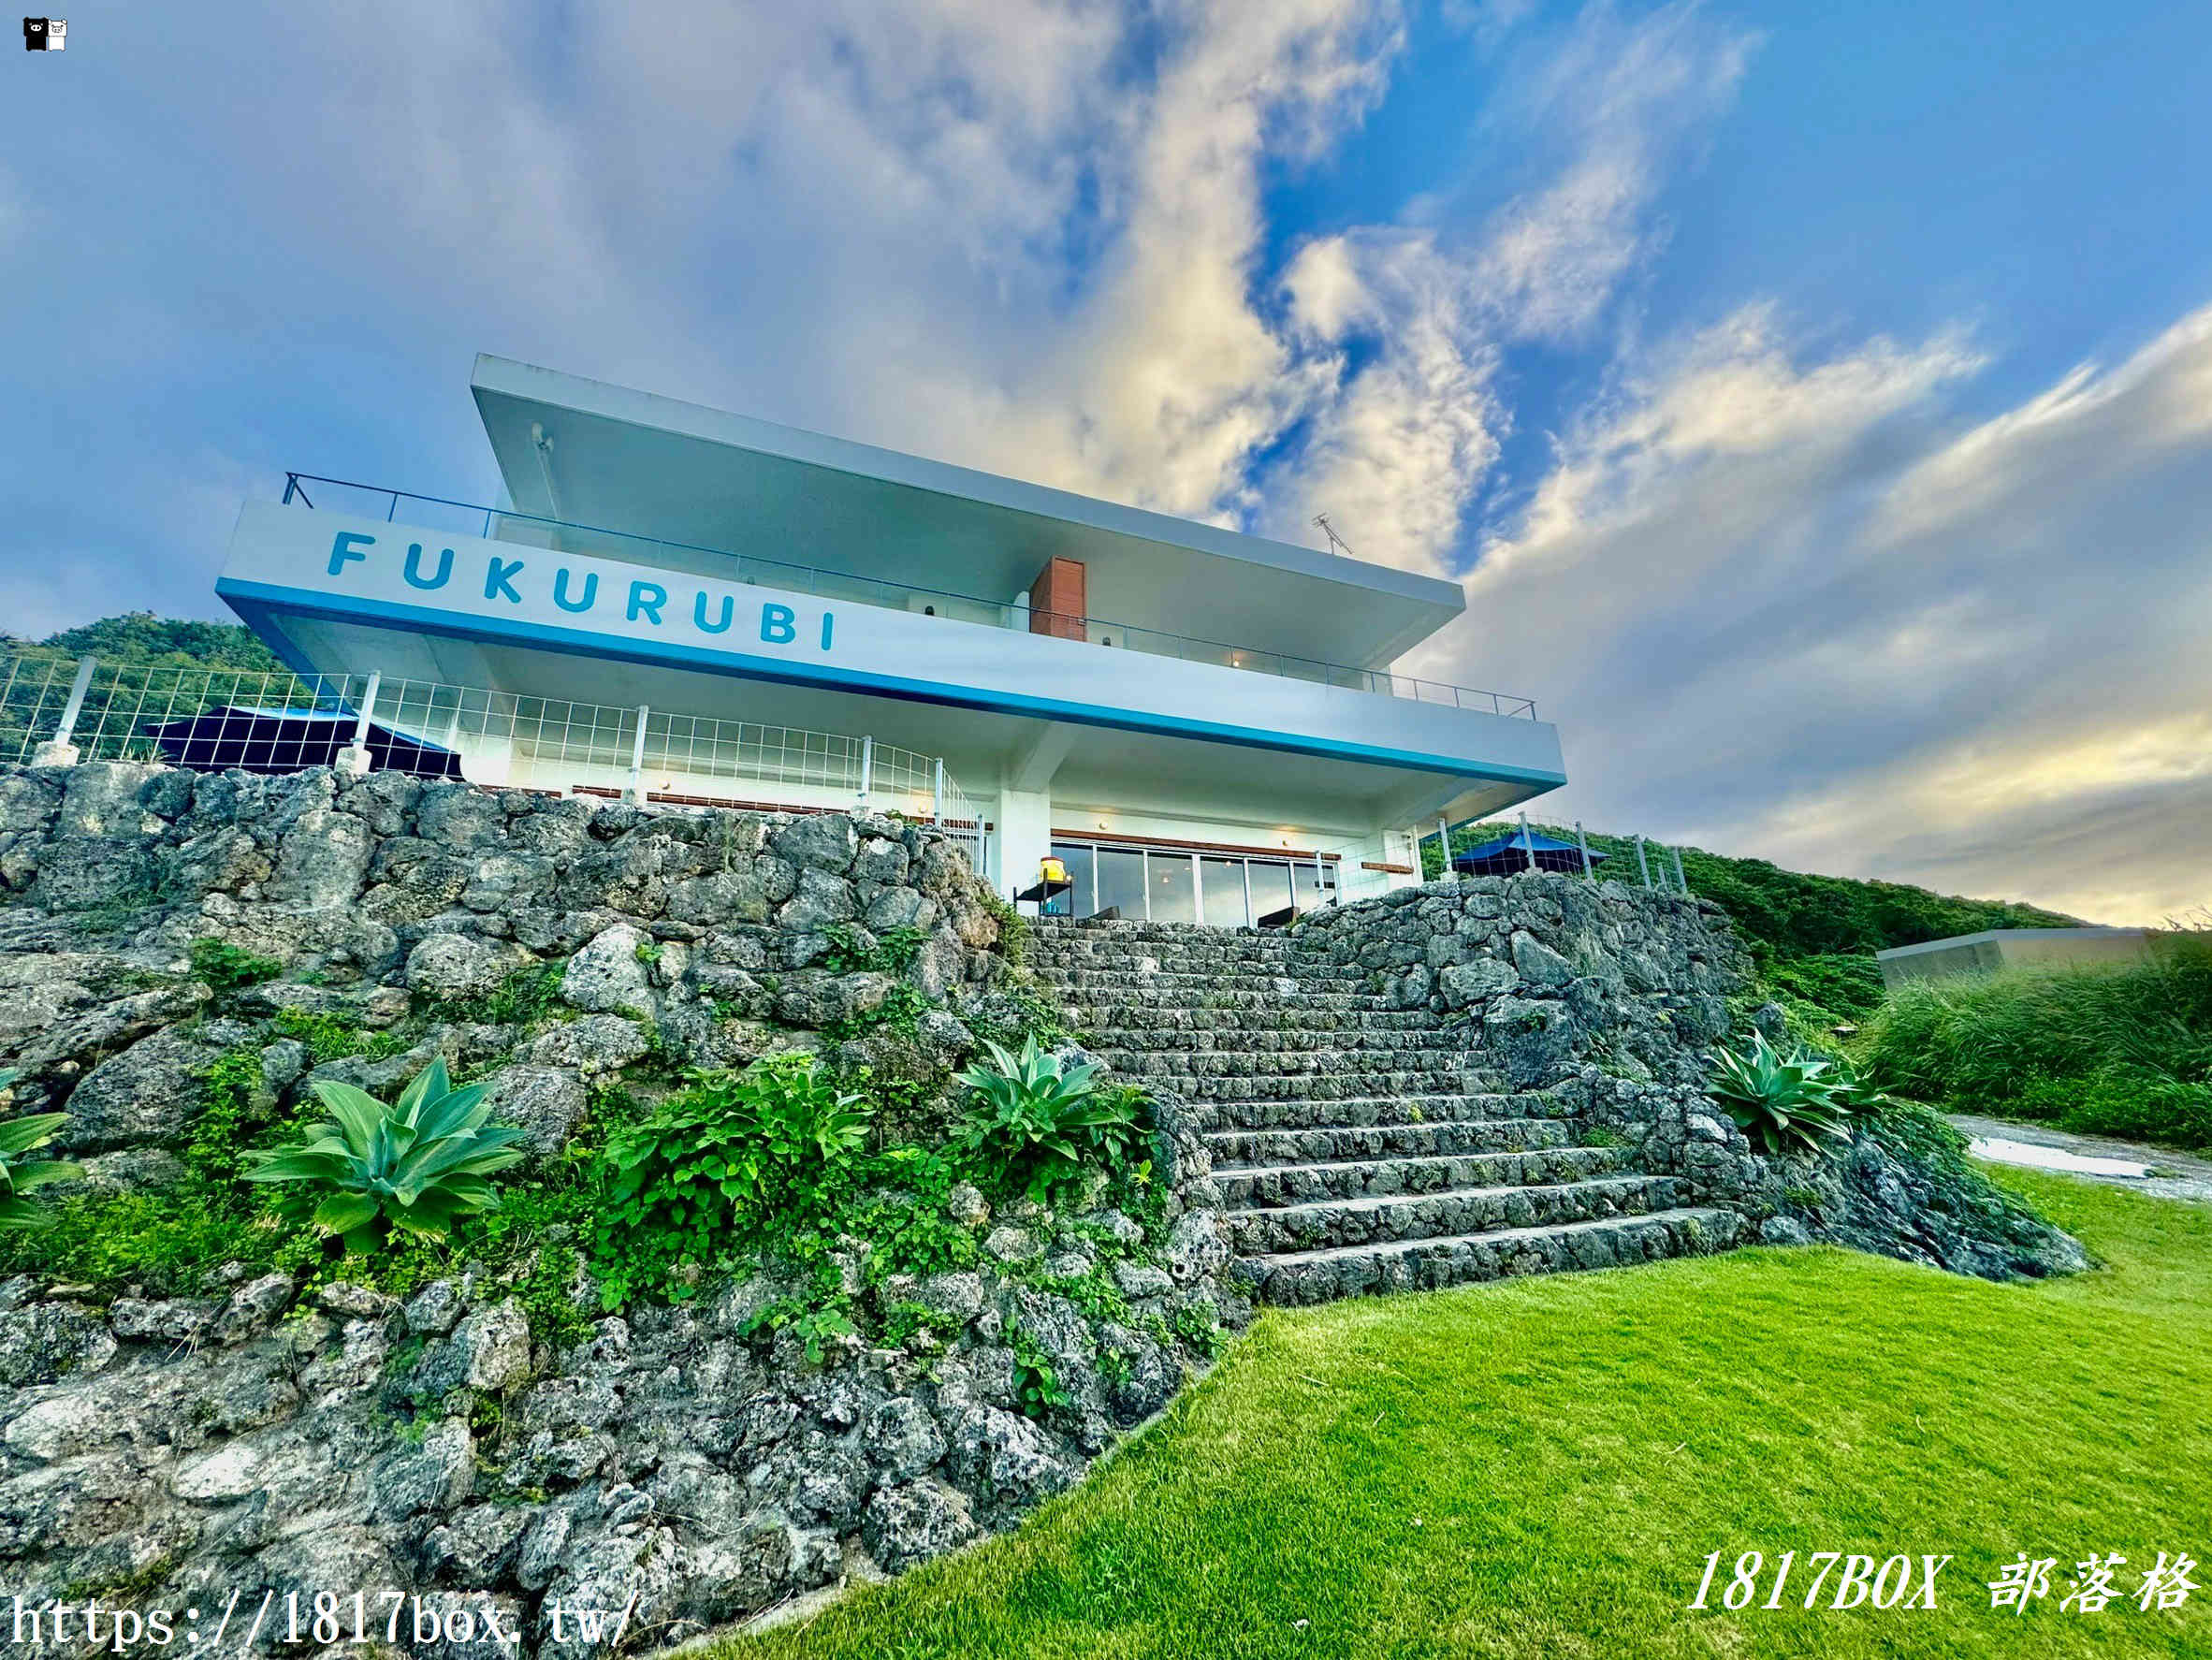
x,y
253,601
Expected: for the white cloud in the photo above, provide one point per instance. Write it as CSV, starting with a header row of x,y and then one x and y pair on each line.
x,y
1400,450
1780,609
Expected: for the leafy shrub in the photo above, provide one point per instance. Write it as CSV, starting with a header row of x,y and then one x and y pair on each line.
x,y
1779,1100
714,1160
331,1037
225,967
415,1166
2091,1049
1037,1388
1031,1121
2129,1103
19,1176
893,952
525,997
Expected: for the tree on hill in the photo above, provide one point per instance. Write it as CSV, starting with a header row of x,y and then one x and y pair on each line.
x,y
139,637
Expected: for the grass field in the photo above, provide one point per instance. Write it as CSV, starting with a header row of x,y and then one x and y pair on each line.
x,y
1540,1468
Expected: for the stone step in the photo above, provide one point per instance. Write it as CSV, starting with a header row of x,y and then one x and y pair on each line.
x,y
1155,1028
1325,1143
1260,1049
1287,1096
1257,1186
1459,1211
1239,978
1436,1106
1300,1277
1228,1001
1311,1086
1355,1065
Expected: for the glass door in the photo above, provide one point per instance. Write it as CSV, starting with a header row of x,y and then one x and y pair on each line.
x,y
1172,880
1221,892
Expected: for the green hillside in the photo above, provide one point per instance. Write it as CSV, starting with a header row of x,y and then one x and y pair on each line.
x,y
139,637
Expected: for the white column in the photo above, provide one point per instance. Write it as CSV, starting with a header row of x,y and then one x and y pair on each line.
x,y
354,759
634,793
58,750
1025,836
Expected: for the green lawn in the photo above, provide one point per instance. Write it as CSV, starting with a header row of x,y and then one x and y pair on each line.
x,y
1540,1467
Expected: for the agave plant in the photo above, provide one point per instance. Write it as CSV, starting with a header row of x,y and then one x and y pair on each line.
x,y
1784,1101
415,1165
17,1177
1034,1117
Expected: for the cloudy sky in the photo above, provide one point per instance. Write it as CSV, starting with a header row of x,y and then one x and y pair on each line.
x,y
1815,400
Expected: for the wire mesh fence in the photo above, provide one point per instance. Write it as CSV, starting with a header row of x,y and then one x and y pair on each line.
x,y
1509,848
276,721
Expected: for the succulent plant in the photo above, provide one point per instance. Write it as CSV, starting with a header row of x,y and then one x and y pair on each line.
x,y
416,1165
18,1136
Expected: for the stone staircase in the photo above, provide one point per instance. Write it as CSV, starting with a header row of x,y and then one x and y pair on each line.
x,y
1358,1147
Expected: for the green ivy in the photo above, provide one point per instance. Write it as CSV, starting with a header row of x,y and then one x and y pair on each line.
x,y
1038,1392
225,968
331,1037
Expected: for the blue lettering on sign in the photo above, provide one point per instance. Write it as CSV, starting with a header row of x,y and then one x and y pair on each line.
x,y
699,614
827,619
777,624
413,571
560,590
495,578
342,545
651,607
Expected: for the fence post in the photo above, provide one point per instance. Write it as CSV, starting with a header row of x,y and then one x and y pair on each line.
x,y
867,763
353,760
634,794
1443,871
1583,841
1681,883
1528,844
58,750
936,793
1643,864
1320,879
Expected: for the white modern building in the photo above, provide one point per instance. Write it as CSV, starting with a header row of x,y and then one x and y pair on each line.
x,y
695,605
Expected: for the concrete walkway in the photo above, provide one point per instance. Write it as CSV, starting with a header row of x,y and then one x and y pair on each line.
x,y
2124,1164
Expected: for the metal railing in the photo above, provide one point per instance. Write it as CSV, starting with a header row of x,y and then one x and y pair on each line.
x,y
493,524
55,707
1656,867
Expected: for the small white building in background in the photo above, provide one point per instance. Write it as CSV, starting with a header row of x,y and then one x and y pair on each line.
x,y
700,606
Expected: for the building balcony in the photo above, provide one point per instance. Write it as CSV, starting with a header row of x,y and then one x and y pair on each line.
x,y
412,513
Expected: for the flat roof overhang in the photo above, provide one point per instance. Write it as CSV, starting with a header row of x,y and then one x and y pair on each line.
x,y
632,461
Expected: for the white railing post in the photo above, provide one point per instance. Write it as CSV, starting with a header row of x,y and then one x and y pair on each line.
x,y
1681,883
936,793
58,750
636,793
1528,844
868,763
1643,864
354,759
1443,871
1583,841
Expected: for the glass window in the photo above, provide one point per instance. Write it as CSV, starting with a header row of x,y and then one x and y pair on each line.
x,y
1121,881
1169,880
1270,888
1221,885
1078,900
1302,875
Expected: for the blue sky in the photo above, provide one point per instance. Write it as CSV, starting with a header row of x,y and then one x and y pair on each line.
x,y
1816,400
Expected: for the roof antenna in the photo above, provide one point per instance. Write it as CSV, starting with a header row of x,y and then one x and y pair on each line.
x,y
1336,542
